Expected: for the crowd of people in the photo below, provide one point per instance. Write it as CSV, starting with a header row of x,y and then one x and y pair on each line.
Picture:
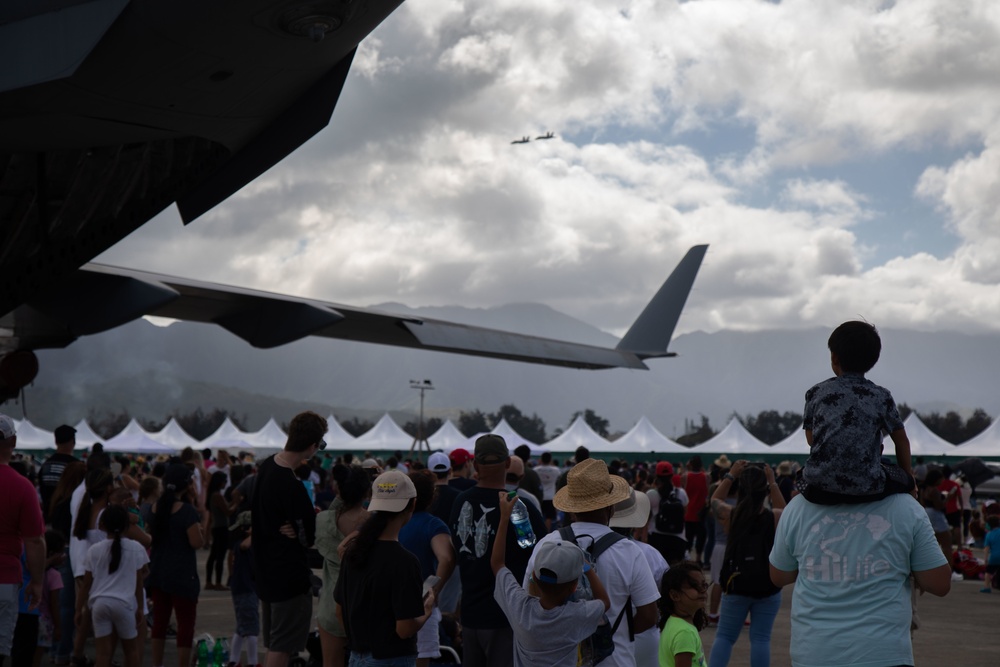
x,y
490,556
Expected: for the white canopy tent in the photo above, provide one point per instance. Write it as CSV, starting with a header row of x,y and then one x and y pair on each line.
x,y
447,438
734,440
645,438
227,437
386,435
579,434
134,439
510,436
922,441
269,438
986,443
174,435
32,438
793,445
85,436
336,437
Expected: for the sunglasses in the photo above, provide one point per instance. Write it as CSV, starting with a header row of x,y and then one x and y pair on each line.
x,y
700,586
321,445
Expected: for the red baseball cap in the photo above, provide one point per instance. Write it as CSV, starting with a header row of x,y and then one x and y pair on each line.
x,y
459,457
664,469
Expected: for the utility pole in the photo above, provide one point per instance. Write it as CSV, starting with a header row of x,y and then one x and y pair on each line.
x,y
420,441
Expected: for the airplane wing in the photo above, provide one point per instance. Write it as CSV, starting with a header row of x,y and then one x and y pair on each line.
x,y
112,110
97,298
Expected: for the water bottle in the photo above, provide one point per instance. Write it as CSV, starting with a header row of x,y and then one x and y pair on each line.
x,y
217,654
522,524
225,652
203,660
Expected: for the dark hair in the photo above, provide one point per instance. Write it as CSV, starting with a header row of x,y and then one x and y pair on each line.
x,y
55,542
115,521
176,482
98,483
236,475
933,478
674,580
582,454
71,477
149,486
524,452
546,458
359,549
749,502
423,481
857,346
217,482
353,484
98,459
695,463
305,430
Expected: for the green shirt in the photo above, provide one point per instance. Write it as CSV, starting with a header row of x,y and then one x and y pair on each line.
x,y
679,636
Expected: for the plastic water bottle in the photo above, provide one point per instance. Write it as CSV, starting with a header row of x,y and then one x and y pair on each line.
x,y
225,652
217,650
522,524
203,659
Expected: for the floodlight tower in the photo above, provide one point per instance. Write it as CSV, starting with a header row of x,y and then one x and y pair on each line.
x,y
420,441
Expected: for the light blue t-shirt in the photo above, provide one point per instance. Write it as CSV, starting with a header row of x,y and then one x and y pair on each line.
x,y
851,604
992,540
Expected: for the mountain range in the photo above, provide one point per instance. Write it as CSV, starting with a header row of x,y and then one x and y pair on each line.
x,y
153,371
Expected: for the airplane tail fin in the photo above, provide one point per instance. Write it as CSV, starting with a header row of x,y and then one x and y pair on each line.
x,y
650,334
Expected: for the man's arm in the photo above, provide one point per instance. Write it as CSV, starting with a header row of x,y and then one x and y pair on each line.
x,y
645,617
936,581
34,549
444,552
783,577
902,444
500,541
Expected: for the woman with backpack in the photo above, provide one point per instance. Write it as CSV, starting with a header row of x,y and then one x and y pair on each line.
x,y
745,576
666,521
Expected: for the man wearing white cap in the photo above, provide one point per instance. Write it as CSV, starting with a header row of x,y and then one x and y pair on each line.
x,y
21,527
591,494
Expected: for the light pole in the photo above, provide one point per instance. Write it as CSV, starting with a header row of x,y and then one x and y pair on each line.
x,y
420,441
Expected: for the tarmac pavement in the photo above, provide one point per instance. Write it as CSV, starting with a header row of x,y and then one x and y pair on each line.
x,y
960,629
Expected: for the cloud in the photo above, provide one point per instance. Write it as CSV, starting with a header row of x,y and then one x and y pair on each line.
x,y
414,193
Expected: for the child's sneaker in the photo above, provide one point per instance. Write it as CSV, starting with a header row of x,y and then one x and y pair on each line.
x,y
713,620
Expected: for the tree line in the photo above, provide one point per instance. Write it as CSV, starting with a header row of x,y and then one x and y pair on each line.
x,y
768,426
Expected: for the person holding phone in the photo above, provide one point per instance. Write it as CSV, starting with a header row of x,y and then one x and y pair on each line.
x,y
379,593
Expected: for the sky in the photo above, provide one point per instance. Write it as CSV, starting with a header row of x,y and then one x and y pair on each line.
x,y
841,158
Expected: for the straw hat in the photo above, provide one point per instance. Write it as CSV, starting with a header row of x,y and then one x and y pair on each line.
x,y
723,462
590,487
633,512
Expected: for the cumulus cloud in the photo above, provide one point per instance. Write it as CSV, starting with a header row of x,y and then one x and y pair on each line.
x,y
416,194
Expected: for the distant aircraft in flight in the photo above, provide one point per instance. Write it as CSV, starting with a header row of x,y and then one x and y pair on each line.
x,y
522,140
547,135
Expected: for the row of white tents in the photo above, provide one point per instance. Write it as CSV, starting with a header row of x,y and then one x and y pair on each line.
x,y
387,436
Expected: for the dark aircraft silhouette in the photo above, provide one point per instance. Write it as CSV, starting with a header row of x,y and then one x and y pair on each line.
x,y
522,140
112,110
547,135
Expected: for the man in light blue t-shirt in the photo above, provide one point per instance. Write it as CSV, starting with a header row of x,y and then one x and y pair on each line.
x,y
851,566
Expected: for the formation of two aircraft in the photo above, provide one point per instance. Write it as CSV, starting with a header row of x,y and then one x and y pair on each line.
x,y
527,139
143,105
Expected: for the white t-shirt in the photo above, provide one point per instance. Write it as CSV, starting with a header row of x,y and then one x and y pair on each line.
x,y
647,644
624,571
77,548
548,475
545,636
654,505
120,584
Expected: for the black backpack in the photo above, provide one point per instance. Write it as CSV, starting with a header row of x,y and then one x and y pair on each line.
x,y
670,514
601,644
746,569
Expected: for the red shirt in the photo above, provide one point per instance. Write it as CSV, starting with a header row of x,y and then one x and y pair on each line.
x,y
697,491
953,503
21,517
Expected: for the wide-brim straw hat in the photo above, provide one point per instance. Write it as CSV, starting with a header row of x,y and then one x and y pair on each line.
x,y
633,512
589,487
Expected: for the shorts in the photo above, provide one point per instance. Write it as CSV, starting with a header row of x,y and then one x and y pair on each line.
x,y
954,519
939,523
548,510
8,616
111,615
45,631
287,624
247,609
428,640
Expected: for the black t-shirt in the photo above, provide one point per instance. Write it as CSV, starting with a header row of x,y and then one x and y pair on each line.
x,y
462,483
444,500
474,520
173,562
531,483
280,563
49,474
386,590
